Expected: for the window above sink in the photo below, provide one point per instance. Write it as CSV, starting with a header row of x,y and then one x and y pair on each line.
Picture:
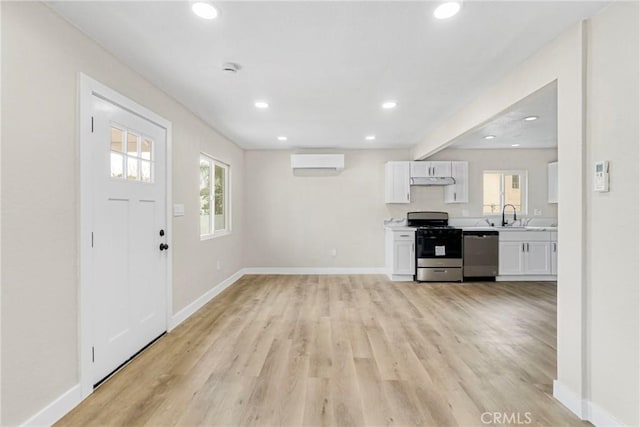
x,y
504,187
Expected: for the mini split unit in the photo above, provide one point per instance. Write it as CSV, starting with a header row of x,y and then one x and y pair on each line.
x,y
333,162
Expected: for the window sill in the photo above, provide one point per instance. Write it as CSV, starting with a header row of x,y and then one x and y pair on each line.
x,y
215,235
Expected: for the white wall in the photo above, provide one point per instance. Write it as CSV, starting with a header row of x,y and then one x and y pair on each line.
x,y
613,278
294,221
41,58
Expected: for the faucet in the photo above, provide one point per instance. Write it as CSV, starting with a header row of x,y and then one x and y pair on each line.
x,y
504,223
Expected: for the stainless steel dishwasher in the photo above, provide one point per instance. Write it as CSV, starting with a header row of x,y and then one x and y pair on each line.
x,y
480,254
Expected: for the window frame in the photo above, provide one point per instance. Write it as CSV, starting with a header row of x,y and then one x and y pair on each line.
x,y
213,162
524,189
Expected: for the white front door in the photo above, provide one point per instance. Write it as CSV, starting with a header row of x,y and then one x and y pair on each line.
x,y
129,235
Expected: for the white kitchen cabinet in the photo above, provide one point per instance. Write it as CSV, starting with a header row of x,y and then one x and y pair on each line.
x,y
511,258
554,253
397,185
400,254
458,192
537,258
552,182
525,253
430,169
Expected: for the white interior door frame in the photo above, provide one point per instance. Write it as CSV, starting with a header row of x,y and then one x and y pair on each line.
x,y
88,88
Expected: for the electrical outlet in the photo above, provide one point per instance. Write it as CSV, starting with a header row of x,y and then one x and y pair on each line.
x,y
218,265
465,212
333,252
537,212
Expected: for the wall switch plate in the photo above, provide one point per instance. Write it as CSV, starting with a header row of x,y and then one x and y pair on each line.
x,y
218,265
537,212
333,252
465,212
178,210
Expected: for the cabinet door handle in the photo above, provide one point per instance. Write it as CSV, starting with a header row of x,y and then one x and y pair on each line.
x,y
527,247
555,247
407,196
413,247
404,235
454,195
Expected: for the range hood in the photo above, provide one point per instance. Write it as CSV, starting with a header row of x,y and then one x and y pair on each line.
x,y
433,180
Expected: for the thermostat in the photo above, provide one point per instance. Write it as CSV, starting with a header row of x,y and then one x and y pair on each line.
x,y
601,177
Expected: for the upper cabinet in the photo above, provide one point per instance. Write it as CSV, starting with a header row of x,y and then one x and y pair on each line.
x,y
430,169
552,191
458,192
397,185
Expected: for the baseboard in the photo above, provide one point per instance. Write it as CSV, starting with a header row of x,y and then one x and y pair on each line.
x,y
599,417
57,409
568,398
313,270
519,278
196,305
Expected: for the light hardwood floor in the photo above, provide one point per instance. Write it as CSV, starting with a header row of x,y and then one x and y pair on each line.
x,y
346,350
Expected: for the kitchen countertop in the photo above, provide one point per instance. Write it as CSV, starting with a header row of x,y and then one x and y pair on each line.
x,y
501,229
400,228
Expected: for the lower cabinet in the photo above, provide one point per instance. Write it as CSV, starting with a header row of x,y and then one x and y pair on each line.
x,y
554,252
525,253
400,254
511,258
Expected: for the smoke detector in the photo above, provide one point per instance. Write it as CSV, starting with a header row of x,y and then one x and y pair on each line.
x,y
230,67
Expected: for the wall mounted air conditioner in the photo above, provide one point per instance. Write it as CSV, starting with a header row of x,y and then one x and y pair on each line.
x,y
333,162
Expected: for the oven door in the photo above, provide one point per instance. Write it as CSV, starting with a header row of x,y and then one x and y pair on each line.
x,y
439,244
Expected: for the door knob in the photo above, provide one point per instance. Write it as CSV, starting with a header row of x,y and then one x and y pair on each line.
x,y
161,233
163,246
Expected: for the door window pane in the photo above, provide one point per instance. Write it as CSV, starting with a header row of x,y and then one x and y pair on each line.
x,y
116,139
132,144
145,171
145,149
117,168
132,168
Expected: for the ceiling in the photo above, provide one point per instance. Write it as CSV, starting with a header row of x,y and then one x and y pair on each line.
x,y
510,129
324,67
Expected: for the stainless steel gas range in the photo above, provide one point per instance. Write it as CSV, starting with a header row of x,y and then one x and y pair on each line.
x,y
438,247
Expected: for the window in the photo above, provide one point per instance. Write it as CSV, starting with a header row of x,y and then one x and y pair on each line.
x,y
214,197
134,156
504,188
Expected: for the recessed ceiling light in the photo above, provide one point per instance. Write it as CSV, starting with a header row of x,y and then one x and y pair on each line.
x,y
370,137
489,137
447,10
515,145
387,105
282,138
204,10
261,104
531,118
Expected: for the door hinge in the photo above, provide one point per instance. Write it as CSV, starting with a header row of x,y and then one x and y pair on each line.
x,y
91,124
93,354
92,239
